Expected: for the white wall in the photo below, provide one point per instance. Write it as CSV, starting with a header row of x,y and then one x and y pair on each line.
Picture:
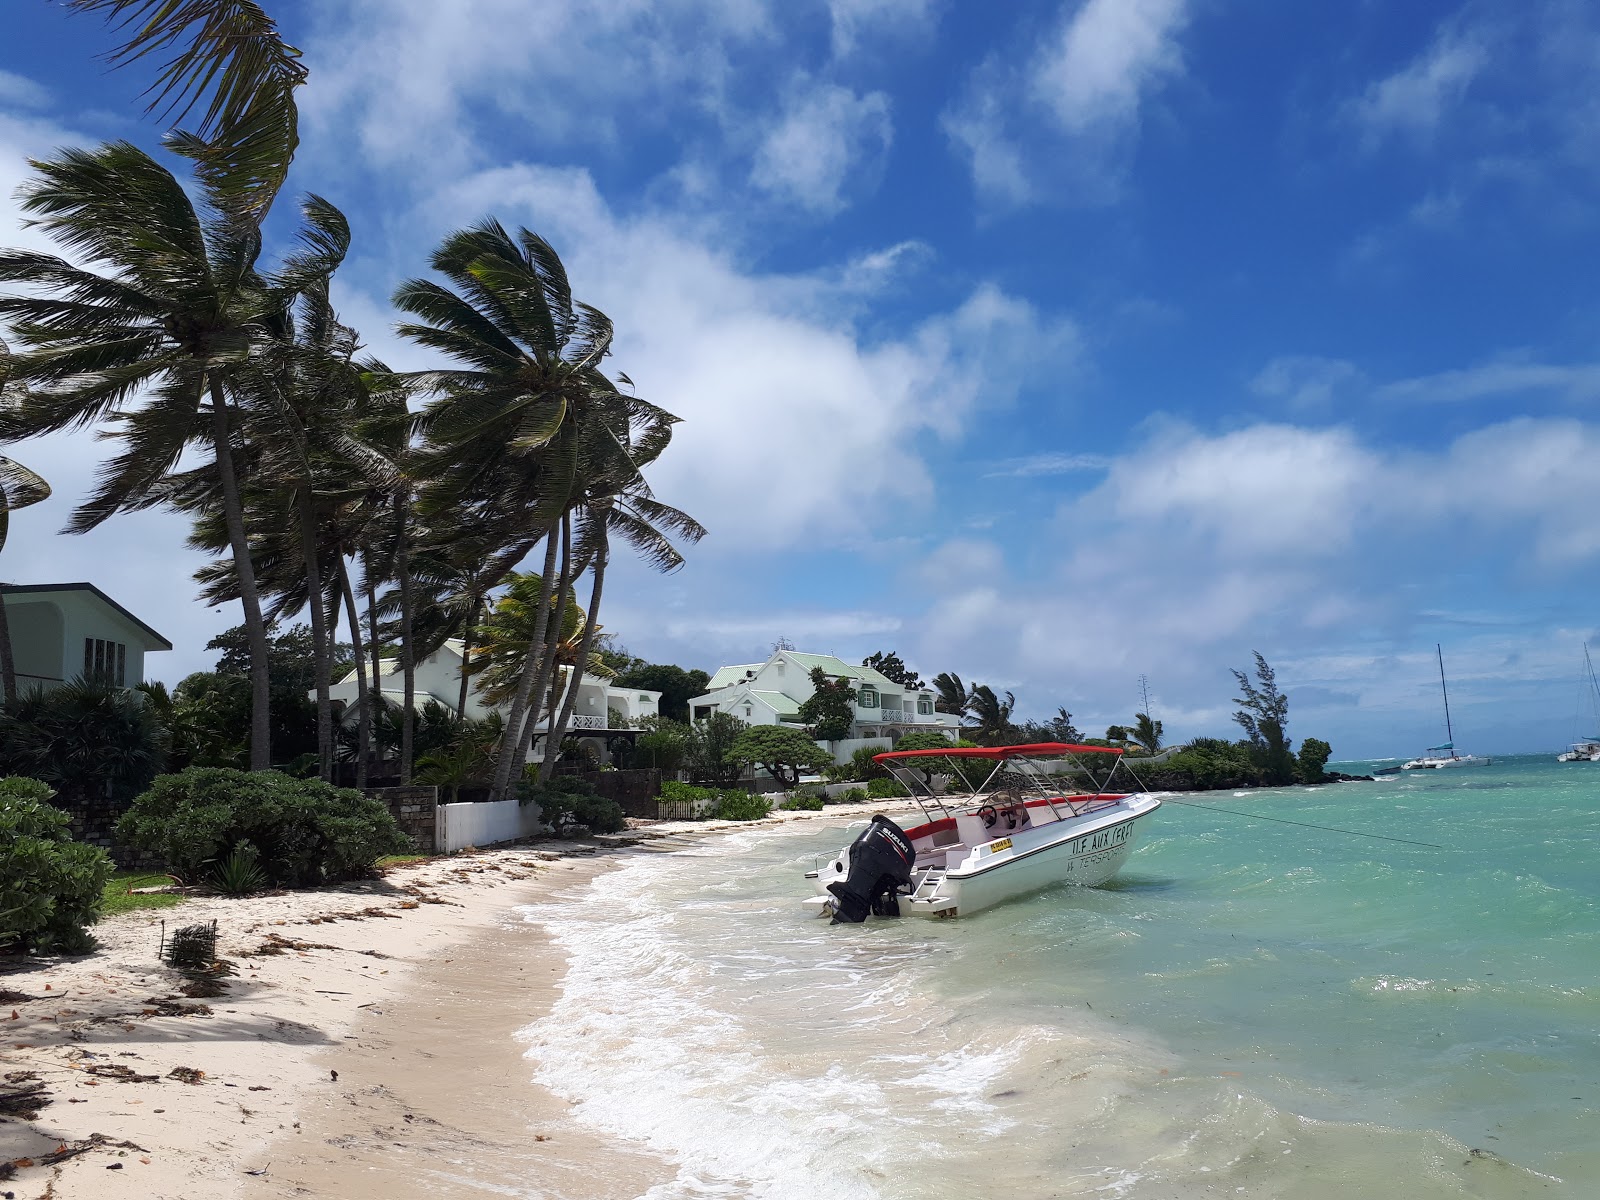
x,y
463,825
844,749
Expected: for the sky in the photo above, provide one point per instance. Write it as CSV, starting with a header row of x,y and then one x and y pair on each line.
x,y
1052,344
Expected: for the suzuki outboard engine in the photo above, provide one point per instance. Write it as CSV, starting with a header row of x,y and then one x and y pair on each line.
x,y
880,864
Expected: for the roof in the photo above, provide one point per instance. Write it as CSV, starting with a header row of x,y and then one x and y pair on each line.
x,y
23,588
728,676
834,665
996,753
779,702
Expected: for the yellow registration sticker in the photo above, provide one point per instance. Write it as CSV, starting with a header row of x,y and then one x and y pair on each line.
x,y
1002,844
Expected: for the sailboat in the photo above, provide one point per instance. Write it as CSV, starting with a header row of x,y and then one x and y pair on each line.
x,y
1437,757
1588,749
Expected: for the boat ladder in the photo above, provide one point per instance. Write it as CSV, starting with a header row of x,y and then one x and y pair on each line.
x,y
929,887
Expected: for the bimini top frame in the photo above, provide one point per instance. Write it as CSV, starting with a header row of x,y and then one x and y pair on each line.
x,y
899,762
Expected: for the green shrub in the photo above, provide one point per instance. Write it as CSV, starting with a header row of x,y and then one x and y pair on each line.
x,y
803,803
305,832
676,792
855,795
51,888
735,804
565,802
884,789
86,740
863,769
1314,754
240,873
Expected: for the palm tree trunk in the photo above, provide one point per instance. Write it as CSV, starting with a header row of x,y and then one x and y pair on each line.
x,y
255,627
509,741
378,702
551,636
408,665
363,699
319,633
560,729
466,654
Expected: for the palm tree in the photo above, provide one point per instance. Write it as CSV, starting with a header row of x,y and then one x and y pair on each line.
x,y
953,695
19,487
992,714
518,412
229,51
176,311
1145,733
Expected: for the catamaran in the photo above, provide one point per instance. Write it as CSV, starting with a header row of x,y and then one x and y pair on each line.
x,y
1586,749
1438,757
1015,834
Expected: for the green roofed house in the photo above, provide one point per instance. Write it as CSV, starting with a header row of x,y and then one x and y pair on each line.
x,y
66,631
772,692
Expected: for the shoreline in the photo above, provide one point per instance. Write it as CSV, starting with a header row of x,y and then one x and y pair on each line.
x,y
364,1046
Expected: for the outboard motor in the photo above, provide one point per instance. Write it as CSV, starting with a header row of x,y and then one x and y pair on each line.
x,y
880,864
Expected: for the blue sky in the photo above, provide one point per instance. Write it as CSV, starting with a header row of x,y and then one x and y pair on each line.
x,y
1048,343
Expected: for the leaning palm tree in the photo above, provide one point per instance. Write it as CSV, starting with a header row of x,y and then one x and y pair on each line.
x,y
171,310
19,487
228,56
512,425
953,696
1144,733
992,714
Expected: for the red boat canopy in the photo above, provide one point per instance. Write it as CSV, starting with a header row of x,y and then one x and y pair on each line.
x,y
996,753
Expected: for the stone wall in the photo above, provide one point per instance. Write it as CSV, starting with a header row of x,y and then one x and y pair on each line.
x,y
95,822
413,808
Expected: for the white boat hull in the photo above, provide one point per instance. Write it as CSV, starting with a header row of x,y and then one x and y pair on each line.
x,y
1082,851
1438,764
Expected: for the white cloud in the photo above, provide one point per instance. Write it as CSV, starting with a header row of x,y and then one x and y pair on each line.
x,y
1415,100
1076,101
1578,382
826,136
856,20
1048,463
405,76
1306,383
1105,59
21,91
795,425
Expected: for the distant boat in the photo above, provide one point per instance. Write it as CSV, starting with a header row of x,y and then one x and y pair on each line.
x,y
1587,749
1436,758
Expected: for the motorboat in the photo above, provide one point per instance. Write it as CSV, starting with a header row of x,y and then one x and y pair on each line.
x,y
1016,833
1585,751
1436,758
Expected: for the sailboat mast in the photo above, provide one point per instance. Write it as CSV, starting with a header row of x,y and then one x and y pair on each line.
x,y
1449,733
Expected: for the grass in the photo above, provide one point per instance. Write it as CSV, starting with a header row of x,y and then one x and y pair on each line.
x,y
115,899
402,860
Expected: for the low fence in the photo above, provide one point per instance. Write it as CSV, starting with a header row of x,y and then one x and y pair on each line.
x,y
414,810
458,826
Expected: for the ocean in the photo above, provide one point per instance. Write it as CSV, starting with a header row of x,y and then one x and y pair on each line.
x,y
1251,1009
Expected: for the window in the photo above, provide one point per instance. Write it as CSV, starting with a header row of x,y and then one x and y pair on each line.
x,y
925,707
747,711
869,696
105,661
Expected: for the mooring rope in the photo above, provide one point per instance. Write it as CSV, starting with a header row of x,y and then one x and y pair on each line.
x,y
1303,824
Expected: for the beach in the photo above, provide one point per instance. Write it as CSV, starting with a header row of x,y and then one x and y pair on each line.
x,y
364,1045
1247,1011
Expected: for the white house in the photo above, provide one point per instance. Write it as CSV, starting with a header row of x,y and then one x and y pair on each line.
x,y
772,692
602,711
64,631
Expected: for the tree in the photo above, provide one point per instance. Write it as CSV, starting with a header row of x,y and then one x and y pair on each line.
x,y
829,712
1264,717
1313,759
953,696
781,751
1058,728
173,309
888,664
711,742
88,740
676,685
229,56
1146,733
992,714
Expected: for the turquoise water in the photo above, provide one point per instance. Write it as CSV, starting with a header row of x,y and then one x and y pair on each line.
x,y
1251,1009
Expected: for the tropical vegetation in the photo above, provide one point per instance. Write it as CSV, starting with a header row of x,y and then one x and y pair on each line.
x,y
391,508
51,887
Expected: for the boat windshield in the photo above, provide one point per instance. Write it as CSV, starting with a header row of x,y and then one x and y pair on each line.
x,y
979,769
